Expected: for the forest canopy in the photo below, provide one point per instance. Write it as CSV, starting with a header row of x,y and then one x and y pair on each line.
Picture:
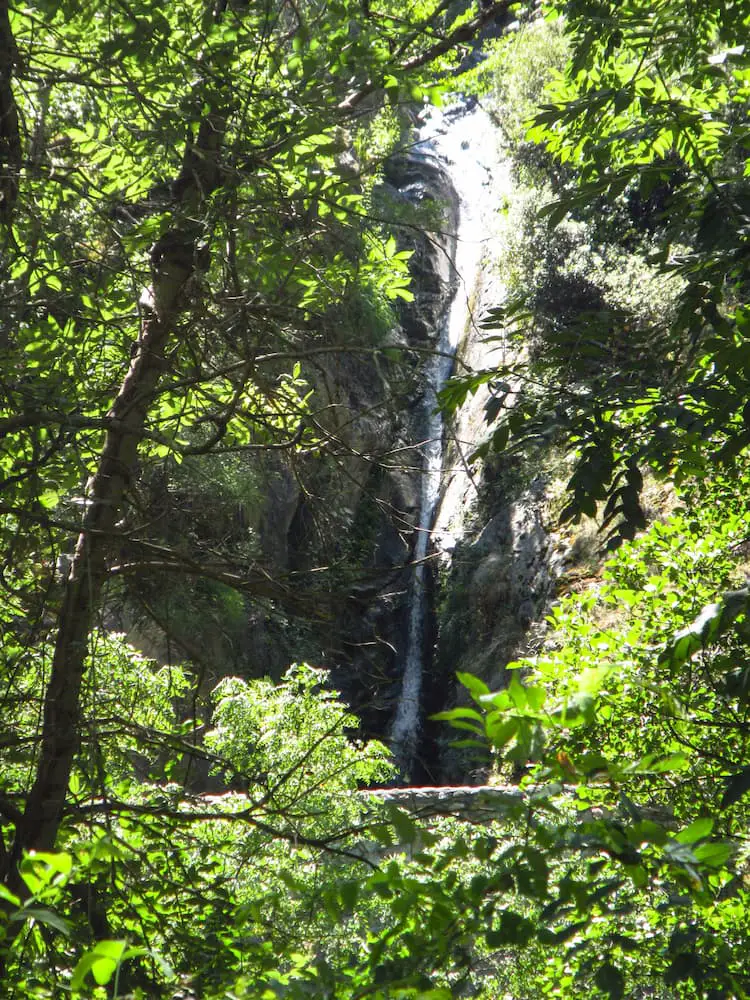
x,y
189,222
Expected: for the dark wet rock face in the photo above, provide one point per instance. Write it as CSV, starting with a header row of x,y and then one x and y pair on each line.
x,y
419,188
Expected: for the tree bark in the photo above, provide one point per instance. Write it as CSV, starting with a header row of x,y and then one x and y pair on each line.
x,y
10,137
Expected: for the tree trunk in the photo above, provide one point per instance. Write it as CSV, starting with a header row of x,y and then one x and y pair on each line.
x,y
172,266
88,571
10,138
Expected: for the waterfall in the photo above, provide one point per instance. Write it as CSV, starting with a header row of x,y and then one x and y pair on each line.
x,y
462,139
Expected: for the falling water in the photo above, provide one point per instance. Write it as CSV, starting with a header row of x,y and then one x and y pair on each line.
x,y
463,140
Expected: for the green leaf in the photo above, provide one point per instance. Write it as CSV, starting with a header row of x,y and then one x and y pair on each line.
x,y
697,830
406,829
513,929
549,936
712,622
502,731
55,861
7,895
473,684
452,714
554,213
101,961
577,711
713,855
43,916
683,966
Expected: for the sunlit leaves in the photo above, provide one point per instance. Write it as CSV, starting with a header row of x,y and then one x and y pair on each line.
x,y
236,885
389,267
41,870
294,735
645,115
102,962
643,816
713,621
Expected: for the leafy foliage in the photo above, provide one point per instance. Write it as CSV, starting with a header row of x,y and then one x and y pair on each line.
x,y
628,726
641,132
172,883
188,207
634,714
182,213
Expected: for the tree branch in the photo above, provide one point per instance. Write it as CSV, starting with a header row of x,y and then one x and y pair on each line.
x,y
464,33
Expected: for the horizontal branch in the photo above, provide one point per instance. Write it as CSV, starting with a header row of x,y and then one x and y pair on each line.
x,y
229,807
463,33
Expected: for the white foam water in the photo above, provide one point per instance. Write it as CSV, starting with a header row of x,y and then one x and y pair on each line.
x,y
464,141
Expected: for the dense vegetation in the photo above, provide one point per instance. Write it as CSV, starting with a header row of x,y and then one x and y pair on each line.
x,y
187,215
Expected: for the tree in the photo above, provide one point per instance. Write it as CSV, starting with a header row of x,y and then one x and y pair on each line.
x,y
175,223
647,126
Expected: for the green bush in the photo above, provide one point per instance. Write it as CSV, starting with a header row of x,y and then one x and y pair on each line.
x,y
515,72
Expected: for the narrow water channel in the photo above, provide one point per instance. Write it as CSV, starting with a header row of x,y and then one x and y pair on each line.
x,y
462,140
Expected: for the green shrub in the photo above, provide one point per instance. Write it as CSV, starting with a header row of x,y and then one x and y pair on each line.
x,y
513,76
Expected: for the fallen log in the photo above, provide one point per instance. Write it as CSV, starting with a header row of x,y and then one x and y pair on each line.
x,y
484,803
477,803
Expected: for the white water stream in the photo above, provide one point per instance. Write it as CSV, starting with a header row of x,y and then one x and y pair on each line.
x,y
464,141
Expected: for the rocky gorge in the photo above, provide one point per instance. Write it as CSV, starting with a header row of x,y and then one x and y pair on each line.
x,y
398,558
